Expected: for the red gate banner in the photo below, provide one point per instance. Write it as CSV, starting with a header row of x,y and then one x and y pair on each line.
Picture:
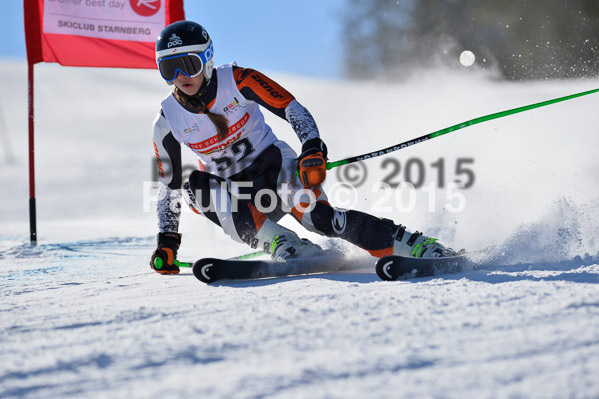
x,y
97,33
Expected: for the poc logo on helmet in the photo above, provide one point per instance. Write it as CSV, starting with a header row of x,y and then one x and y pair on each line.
x,y
174,40
209,52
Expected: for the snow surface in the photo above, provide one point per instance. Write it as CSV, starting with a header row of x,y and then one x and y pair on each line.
x,y
82,314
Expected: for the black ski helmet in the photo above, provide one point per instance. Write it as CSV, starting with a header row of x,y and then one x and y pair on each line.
x,y
186,37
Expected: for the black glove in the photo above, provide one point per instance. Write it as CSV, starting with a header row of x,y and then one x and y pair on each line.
x,y
163,258
312,163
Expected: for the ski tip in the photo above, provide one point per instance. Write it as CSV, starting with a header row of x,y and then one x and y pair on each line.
x,y
203,270
384,268
393,268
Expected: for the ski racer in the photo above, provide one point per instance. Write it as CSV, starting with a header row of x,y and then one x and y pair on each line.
x,y
251,178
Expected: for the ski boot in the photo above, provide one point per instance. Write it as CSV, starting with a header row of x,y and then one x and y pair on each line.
x,y
416,245
282,243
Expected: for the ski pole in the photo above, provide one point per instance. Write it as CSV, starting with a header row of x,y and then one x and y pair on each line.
x,y
331,165
158,263
240,257
248,256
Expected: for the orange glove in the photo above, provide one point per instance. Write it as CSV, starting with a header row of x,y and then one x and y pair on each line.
x,y
164,258
312,164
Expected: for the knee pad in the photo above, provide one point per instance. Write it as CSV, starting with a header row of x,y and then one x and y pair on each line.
x,y
349,224
197,189
322,219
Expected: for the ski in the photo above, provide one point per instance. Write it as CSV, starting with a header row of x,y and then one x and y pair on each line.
x,y
211,270
395,267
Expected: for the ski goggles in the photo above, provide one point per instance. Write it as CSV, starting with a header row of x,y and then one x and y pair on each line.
x,y
189,64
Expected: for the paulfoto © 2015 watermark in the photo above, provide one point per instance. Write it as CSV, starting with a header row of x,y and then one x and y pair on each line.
x,y
403,187
415,171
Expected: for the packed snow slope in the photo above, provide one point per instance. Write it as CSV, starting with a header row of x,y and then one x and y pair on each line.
x,y
82,314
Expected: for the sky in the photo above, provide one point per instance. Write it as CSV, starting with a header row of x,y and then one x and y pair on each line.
x,y
299,37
